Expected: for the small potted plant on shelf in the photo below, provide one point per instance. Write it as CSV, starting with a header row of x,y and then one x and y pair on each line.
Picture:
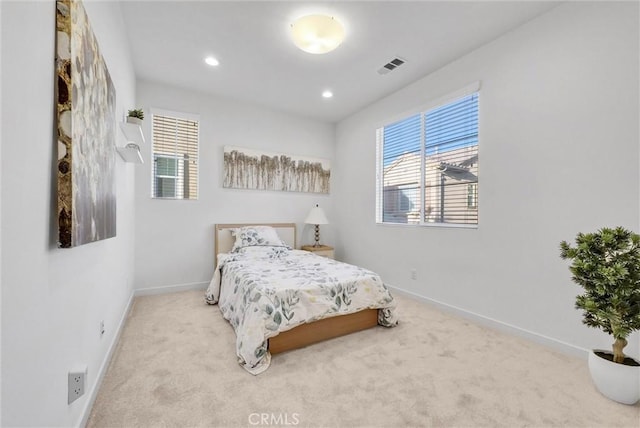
x,y
135,116
606,264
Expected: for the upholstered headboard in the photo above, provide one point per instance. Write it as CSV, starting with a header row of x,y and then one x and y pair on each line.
x,y
224,239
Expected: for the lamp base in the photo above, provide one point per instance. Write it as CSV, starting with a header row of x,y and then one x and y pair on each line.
x,y
317,236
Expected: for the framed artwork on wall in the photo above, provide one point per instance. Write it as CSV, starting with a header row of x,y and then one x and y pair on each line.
x,y
259,170
85,99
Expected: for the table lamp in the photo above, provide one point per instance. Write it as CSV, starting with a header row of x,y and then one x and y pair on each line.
x,y
316,217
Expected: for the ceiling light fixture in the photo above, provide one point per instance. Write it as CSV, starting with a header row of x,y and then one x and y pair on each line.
x,y
327,94
317,34
211,61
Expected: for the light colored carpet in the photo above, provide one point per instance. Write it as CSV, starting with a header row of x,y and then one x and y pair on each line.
x,y
175,365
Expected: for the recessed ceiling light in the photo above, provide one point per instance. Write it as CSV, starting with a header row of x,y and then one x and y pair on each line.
x,y
211,61
327,94
317,34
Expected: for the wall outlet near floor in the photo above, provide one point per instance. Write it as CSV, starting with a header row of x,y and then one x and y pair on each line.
x,y
414,274
101,328
76,384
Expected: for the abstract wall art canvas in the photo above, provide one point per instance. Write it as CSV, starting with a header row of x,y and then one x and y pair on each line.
x,y
253,169
85,99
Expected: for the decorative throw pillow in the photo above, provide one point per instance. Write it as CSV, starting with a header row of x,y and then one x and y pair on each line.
x,y
250,236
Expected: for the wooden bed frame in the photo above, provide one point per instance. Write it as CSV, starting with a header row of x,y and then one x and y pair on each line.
x,y
305,334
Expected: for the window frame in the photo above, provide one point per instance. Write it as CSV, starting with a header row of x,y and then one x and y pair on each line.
x,y
422,110
178,115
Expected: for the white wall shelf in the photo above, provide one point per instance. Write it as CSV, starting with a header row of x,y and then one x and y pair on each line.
x,y
133,132
135,137
130,153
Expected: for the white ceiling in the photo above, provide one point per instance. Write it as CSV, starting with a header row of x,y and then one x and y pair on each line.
x,y
260,64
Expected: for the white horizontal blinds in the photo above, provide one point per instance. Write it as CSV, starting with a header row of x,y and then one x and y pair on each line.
x,y
175,157
401,155
451,162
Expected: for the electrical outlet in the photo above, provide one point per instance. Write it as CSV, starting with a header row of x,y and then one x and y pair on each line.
x,y
101,328
76,385
414,274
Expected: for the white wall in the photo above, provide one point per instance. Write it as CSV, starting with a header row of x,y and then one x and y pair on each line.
x,y
53,299
174,239
559,150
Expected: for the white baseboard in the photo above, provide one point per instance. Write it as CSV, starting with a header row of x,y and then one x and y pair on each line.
x,y
86,412
171,288
558,345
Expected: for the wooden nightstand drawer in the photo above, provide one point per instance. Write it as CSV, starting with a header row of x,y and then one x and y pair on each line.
x,y
322,250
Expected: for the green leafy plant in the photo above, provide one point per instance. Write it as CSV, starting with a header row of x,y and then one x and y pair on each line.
x,y
136,113
607,266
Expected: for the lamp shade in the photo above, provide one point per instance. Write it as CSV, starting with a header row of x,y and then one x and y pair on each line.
x,y
316,216
317,34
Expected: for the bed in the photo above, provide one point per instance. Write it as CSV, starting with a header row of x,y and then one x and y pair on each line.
x,y
278,298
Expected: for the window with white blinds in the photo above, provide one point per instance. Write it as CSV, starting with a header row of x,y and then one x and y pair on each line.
x,y
428,166
175,157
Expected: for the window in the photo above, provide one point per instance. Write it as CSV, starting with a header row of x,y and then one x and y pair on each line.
x,y
428,166
175,157
166,176
472,195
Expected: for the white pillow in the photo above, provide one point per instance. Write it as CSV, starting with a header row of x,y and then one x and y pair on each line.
x,y
251,236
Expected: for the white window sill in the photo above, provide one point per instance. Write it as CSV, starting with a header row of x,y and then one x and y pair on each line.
x,y
435,225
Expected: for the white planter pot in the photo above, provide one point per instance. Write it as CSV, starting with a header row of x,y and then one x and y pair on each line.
x,y
618,382
134,120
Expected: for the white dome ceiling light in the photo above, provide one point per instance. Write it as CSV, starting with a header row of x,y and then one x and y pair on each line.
x,y
211,61
317,34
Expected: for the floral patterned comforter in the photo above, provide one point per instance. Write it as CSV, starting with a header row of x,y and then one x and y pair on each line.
x,y
263,291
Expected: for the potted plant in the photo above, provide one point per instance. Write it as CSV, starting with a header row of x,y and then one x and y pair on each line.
x,y
135,116
606,264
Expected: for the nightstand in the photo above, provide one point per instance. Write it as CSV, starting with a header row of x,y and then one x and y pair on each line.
x,y
322,250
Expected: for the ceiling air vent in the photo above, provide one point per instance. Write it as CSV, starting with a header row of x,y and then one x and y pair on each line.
x,y
391,65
